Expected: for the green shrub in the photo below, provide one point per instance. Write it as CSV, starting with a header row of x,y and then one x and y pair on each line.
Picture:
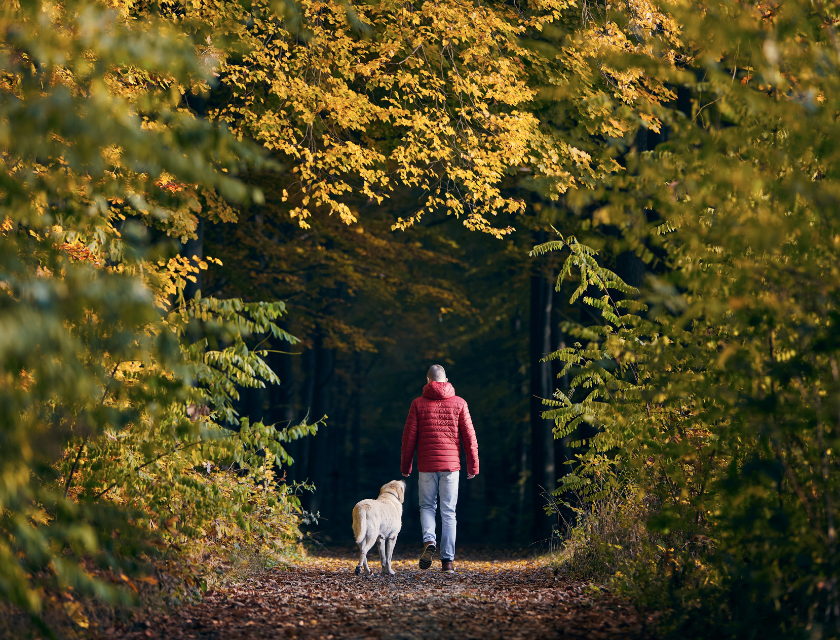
x,y
602,535
717,387
114,386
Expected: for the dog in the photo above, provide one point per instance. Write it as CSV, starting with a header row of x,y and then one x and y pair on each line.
x,y
379,519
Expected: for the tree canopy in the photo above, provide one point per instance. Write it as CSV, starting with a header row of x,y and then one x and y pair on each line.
x,y
195,193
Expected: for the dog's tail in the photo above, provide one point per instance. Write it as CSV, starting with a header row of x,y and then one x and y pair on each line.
x,y
360,513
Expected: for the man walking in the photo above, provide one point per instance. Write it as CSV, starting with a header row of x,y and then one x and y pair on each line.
x,y
438,423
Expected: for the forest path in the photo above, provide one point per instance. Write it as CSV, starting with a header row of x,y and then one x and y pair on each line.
x,y
323,598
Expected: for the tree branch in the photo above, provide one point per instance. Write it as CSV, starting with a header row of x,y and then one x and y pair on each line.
x,y
87,437
146,464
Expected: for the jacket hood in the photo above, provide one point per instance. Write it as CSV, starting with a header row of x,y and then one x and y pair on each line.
x,y
438,391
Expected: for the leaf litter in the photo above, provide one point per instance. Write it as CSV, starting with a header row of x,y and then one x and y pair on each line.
x,y
322,598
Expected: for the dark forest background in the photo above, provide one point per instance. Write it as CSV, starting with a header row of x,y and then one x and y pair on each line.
x,y
374,308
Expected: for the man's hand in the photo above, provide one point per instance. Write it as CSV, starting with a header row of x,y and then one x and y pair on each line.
x,y
405,475
470,477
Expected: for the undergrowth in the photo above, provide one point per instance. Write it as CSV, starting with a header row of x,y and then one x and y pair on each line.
x,y
667,575
600,535
182,572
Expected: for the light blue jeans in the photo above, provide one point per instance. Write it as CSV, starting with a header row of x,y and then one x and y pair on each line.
x,y
431,484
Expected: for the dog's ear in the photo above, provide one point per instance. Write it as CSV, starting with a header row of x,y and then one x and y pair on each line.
x,y
401,489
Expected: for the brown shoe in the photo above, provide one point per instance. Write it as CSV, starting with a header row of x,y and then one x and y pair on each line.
x,y
426,557
447,566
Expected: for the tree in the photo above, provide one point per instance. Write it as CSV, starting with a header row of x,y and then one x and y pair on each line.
x,y
108,406
719,394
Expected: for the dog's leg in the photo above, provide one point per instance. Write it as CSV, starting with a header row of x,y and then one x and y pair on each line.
x,y
363,559
369,542
391,543
362,555
383,556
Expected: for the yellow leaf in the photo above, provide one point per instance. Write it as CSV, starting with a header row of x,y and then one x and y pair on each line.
x,y
75,611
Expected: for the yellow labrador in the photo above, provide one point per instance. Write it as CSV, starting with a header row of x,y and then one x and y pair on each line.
x,y
379,519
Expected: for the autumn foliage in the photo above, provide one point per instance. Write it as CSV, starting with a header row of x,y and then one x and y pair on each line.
x,y
321,146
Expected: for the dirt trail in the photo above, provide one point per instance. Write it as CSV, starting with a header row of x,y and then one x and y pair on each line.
x,y
322,598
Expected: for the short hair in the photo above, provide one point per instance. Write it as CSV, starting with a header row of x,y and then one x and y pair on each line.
x,y
436,373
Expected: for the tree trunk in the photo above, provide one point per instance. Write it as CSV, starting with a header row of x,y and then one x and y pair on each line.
x,y
543,472
307,410
283,400
630,268
319,447
356,424
336,472
519,527
562,451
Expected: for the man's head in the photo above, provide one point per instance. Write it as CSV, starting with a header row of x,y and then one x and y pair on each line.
x,y
436,374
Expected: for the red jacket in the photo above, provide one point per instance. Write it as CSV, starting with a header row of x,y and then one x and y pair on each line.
x,y
437,424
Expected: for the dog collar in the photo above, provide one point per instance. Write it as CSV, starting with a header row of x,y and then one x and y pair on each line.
x,y
393,494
